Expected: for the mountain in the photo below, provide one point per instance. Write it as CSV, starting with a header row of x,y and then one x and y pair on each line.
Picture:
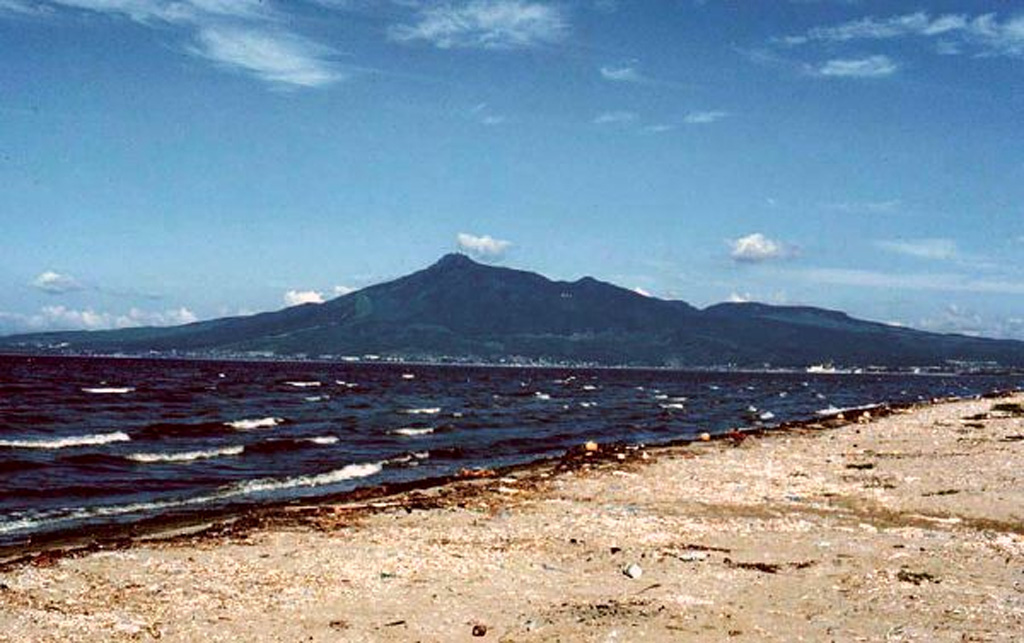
x,y
463,309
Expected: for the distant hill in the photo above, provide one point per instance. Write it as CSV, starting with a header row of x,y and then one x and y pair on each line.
x,y
460,308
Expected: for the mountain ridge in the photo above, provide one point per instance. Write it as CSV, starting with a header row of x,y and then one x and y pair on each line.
x,y
459,308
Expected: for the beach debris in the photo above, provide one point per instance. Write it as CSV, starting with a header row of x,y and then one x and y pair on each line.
x,y
479,630
395,623
633,571
1013,409
591,446
338,624
615,550
476,473
907,576
692,556
705,437
736,436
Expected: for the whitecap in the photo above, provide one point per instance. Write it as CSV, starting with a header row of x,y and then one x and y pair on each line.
x,y
186,456
409,431
408,376
348,472
250,424
589,387
323,439
767,415
303,384
109,390
71,441
425,411
672,405
541,396
317,398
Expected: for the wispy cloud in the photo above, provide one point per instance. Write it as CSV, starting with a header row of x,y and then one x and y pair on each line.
x,y
622,74
985,33
943,282
615,118
757,248
705,117
484,115
482,247
954,318
277,57
869,67
249,36
865,207
486,24
55,283
938,249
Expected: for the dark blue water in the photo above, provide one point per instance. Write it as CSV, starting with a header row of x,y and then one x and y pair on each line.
x,y
91,441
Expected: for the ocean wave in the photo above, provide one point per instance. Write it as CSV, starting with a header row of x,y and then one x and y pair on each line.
x,y
835,410
109,390
258,423
299,384
410,431
48,519
63,443
322,439
425,411
673,406
186,456
348,472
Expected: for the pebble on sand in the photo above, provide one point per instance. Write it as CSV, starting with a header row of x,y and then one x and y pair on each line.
x,y
633,570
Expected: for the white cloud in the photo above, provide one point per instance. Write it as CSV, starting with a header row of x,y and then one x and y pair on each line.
x,y
757,248
485,24
299,297
622,74
55,283
246,35
703,118
22,7
615,118
739,298
276,57
984,33
869,67
485,247
342,290
50,318
640,291
921,248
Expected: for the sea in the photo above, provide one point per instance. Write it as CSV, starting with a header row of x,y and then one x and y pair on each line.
x,y
90,442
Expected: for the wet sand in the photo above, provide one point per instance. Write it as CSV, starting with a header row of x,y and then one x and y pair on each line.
x,y
904,527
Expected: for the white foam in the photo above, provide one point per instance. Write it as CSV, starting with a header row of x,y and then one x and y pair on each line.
x,y
109,390
317,398
661,396
767,415
672,405
71,441
587,405
834,410
408,376
427,411
589,387
348,472
323,439
186,456
250,424
541,396
408,431
303,384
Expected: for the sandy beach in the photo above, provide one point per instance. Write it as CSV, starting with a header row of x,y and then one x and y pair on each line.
x,y
902,526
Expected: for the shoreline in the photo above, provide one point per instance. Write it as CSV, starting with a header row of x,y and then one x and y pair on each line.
x,y
902,524
240,518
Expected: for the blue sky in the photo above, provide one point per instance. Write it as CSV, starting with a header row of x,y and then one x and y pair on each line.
x,y
169,160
